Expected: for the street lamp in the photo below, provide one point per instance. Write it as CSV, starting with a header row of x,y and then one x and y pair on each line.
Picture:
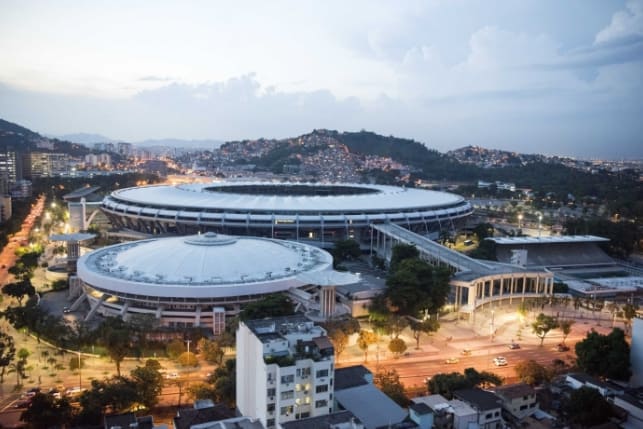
x,y
80,372
540,219
520,221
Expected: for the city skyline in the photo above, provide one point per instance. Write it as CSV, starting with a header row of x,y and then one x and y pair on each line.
x,y
534,77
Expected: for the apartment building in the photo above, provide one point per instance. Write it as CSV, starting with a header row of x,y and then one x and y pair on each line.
x,y
285,369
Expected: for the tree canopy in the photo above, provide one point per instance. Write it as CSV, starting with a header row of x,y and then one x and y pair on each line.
x,y
275,305
542,325
587,407
605,355
416,286
446,383
389,383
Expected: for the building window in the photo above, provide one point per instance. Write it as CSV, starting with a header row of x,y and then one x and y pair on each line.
x,y
321,388
321,403
287,379
322,373
288,394
270,408
496,414
488,416
304,415
523,407
271,391
305,372
286,410
270,423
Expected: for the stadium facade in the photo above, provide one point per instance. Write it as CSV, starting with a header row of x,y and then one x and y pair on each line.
x,y
194,280
315,213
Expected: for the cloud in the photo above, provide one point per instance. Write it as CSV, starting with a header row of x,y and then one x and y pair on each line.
x,y
152,78
625,23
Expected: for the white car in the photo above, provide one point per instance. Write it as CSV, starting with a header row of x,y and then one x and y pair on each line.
x,y
499,361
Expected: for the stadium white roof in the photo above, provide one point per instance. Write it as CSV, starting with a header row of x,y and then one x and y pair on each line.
x,y
200,266
383,198
548,240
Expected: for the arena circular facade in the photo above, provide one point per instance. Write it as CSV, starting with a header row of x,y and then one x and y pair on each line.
x,y
319,213
194,280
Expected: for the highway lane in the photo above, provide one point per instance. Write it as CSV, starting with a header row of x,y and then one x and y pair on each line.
x,y
414,371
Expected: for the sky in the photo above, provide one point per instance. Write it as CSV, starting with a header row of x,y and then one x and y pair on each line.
x,y
532,76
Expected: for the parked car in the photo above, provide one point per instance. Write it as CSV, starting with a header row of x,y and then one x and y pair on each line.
x,y
562,347
514,346
452,360
466,352
499,361
66,310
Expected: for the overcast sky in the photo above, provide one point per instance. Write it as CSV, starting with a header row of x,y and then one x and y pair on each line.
x,y
541,76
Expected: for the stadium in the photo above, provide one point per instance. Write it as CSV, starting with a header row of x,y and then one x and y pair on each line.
x,y
316,213
193,280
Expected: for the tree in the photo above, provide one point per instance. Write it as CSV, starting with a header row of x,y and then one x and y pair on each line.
x,y
365,339
629,313
175,348
339,340
543,325
565,326
532,373
397,346
188,359
114,334
7,353
117,394
346,250
483,230
149,382
275,305
401,252
446,383
46,411
587,407
211,350
19,290
416,286
605,355
339,331
418,327
389,383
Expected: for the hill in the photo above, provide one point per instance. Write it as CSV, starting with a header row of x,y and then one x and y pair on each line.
x,y
14,137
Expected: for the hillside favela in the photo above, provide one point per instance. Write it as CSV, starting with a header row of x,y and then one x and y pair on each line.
x,y
321,215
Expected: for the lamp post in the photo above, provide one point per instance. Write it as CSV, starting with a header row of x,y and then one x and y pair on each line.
x,y
189,362
80,371
540,219
520,221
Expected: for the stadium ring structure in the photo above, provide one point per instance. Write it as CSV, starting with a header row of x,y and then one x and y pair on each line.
x,y
193,280
315,213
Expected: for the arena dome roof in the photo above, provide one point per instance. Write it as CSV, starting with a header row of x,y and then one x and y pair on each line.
x,y
201,266
279,197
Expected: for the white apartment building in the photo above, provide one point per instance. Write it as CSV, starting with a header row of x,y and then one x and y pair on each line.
x,y
285,369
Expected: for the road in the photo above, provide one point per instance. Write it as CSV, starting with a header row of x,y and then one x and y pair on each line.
x,y
8,254
414,370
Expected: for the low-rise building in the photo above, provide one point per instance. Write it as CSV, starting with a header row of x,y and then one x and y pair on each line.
x,y
487,405
518,400
579,379
449,414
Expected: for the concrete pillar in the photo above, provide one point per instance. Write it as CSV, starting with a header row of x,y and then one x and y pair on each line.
x,y
327,301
